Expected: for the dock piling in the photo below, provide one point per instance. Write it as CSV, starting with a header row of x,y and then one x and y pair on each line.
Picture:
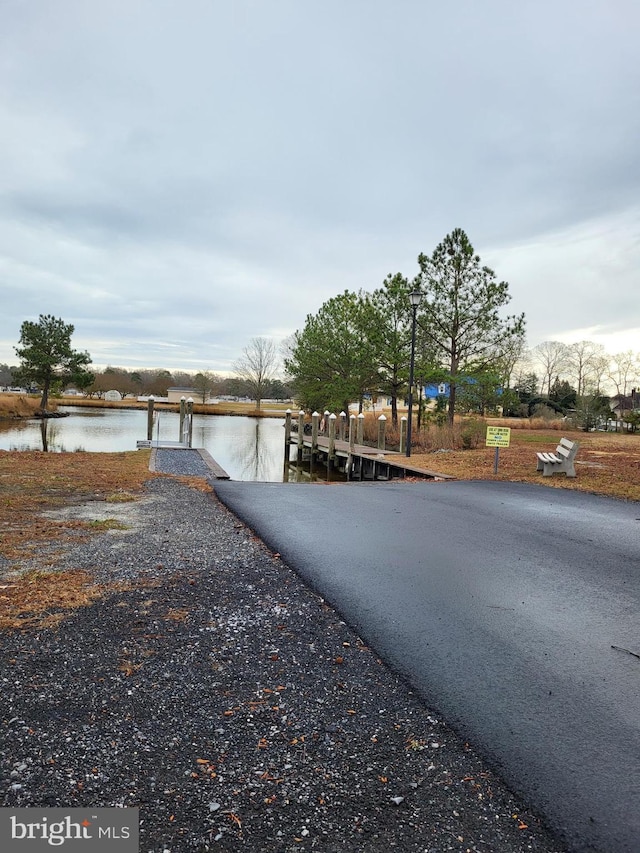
x,y
403,433
315,423
190,424
150,403
343,426
382,426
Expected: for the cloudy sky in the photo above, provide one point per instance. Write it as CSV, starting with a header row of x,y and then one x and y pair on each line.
x,y
180,176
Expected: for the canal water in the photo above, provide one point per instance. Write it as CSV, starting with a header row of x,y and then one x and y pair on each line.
x,y
247,448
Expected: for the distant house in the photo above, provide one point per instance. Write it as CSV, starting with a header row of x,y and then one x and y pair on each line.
x,y
432,391
621,404
174,395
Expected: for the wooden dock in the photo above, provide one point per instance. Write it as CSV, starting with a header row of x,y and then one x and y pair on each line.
x,y
354,461
144,443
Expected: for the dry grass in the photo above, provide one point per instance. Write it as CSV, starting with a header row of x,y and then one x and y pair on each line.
x,y
606,464
32,483
20,406
267,410
39,599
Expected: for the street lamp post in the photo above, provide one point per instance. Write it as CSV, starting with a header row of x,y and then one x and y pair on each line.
x,y
414,297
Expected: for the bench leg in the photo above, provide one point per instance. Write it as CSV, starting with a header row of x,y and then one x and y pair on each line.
x,y
550,469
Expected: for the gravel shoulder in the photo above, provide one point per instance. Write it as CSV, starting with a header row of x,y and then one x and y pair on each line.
x,y
232,705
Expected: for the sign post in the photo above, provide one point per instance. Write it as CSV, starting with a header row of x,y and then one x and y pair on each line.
x,y
498,437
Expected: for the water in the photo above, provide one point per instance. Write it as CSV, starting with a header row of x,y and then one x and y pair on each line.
x,y
247,448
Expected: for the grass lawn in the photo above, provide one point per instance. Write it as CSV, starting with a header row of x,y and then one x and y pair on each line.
x,y
606,464
31,483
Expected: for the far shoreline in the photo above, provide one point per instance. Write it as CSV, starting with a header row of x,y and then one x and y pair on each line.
x,y
26,406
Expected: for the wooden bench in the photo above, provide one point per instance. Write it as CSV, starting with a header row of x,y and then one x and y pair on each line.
x,y
560,461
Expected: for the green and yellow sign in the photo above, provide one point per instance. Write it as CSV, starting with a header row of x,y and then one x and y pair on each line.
x,y
498,436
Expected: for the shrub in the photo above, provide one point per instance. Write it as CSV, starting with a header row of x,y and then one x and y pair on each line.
x,y
472,432
542,410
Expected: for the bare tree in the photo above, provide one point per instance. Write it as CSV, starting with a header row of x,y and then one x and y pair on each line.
x,y
510,360
257,366
206,382
588,364
624,371
551,358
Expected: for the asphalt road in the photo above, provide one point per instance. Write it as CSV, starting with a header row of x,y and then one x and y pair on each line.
x,y
501,603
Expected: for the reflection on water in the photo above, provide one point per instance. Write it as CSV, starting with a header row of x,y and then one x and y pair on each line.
x,y
308,471
247,448
96,430
44,434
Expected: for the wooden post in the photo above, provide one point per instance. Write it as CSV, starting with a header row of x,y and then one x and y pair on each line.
x,y
182,414
343,425
332,437
190,418
287,442
382,425
360,437
403,433
315,423
300,435
150,403
348,468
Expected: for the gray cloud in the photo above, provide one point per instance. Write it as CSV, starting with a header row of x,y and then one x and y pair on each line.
x,y
181,177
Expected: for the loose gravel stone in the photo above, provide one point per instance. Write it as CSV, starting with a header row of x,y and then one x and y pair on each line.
x,y
234,707
186,462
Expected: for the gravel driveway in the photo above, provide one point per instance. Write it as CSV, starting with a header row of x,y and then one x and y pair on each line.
x,y
233,706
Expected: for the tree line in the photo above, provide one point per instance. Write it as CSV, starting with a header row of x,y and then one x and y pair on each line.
x,y
451,315
577,379
49,364
155,382
205,384
358,346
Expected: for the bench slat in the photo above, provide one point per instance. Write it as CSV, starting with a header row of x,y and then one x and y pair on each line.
x,y
549,457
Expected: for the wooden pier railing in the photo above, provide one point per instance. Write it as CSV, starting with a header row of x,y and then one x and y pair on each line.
x,y
328,443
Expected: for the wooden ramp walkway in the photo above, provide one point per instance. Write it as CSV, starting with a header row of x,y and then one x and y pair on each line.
x,y
173,458
360,461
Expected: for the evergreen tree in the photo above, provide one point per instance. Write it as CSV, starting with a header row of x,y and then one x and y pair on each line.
x,y
390,334
46,356
332,360
460,312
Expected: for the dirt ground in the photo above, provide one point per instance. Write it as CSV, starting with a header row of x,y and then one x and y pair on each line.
x,y
33,485
47,597
606,464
